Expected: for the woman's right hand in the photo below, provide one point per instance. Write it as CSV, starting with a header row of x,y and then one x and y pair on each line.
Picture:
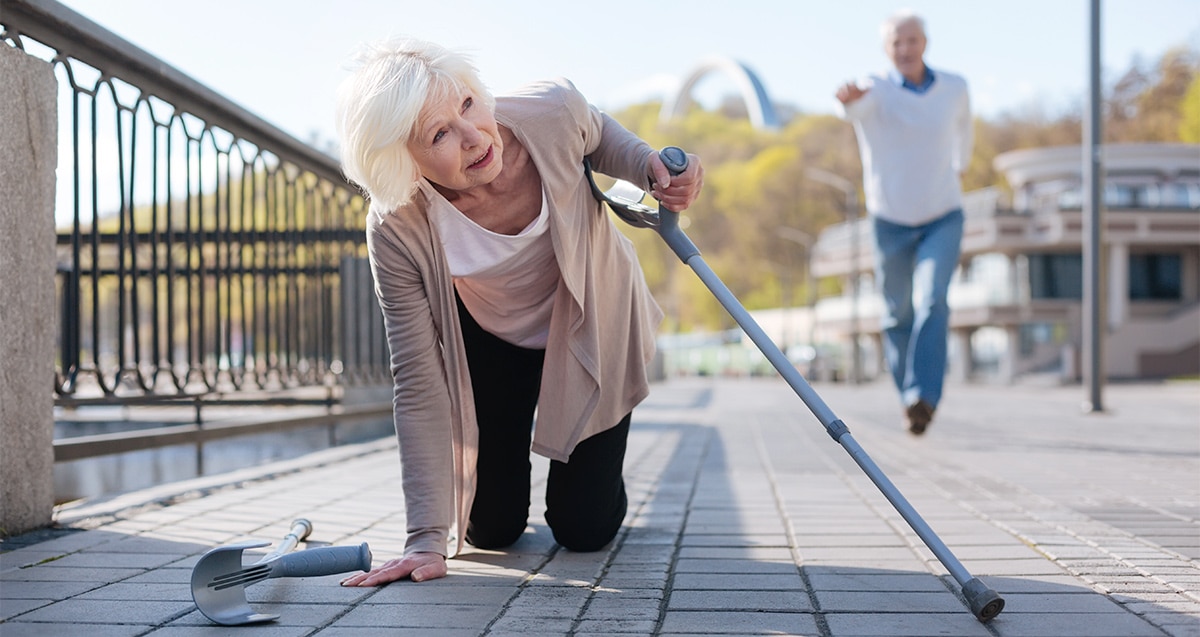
x,y
418,567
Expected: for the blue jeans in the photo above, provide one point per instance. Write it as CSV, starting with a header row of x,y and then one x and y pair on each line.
x,y
913,266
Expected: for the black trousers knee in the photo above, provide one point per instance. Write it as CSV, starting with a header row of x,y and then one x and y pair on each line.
x,y
585,496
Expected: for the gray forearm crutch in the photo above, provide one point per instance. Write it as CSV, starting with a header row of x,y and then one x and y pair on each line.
x,y
984,602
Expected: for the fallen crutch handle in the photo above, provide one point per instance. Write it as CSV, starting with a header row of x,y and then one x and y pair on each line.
x,y
325,560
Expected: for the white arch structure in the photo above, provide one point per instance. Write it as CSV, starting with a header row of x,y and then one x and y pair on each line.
x,y
754,94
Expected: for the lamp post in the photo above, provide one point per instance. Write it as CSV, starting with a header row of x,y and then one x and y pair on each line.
x,y
804,240
850,213
1093,225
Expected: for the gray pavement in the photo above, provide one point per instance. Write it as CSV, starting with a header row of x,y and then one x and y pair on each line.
x,y
745,518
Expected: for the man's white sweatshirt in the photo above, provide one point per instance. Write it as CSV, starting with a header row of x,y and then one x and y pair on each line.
x,y
913,146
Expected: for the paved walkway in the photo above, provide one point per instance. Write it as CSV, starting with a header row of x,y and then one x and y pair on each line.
x,y
745,518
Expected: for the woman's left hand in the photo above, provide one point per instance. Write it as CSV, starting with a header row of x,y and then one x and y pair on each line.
x,y
416,566
679,191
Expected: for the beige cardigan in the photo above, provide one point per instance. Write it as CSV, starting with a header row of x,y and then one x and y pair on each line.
x,y
601,332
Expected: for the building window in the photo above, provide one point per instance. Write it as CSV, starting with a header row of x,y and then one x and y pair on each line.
x,y
1155,277
1071,199
1120,196
1056,276
1171,195
1181,194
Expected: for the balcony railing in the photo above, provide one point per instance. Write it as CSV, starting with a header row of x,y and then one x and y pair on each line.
x,y
201,250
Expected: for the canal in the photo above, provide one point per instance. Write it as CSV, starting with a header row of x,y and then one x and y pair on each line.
x,y
109,475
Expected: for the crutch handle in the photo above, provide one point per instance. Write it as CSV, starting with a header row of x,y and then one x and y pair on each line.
x,y
674,158
325,560
668,228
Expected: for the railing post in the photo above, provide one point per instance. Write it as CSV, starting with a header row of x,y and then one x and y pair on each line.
x,y
29,146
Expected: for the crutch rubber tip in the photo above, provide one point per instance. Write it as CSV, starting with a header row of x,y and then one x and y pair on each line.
x,y
983,601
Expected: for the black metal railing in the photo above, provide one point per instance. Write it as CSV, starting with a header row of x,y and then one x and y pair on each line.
x,y
201,250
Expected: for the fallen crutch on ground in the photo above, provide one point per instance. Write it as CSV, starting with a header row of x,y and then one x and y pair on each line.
x,y
219,579
625,200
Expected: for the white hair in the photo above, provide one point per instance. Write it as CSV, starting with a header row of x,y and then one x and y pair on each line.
x,y
903,16
379,104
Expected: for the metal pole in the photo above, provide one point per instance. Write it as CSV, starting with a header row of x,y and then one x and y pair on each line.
x,y
1093,226
855,348
851,216
785,332
805,241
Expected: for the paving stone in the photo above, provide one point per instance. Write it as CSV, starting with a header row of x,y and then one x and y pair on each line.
x,y
759,553
749,567
737,582
50,590
106,559
515,625
1065,623
826,580
408,593
120,591
66,574
26,557
887,602
726,493
109,612
1038,584
738,623
645,609
260,630
73,629
785,601
1175,625
396,631
908,625
1053,602
615,626
10,608
417,616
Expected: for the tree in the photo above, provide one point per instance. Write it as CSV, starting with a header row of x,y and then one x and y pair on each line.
x,y
755,179
1147,106
1189,122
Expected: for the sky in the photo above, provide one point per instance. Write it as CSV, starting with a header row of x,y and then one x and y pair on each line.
x,y
283,59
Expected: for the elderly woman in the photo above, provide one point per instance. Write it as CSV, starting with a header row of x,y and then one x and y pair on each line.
x,y
506,289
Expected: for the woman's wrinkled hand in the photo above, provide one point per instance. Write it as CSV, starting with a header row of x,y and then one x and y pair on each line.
x,y
418,567
679,191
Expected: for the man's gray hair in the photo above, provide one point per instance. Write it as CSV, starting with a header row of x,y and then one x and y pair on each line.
x,y
903,16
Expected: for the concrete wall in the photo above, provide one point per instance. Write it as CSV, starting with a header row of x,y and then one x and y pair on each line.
x,y
28,158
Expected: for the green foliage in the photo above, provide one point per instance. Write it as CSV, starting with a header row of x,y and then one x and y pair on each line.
x,y
1189,110
756,182
1146,105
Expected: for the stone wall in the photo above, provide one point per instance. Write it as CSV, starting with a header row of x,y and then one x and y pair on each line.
x,y
28,158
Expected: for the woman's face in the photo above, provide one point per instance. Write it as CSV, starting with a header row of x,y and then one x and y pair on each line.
x,y
456,143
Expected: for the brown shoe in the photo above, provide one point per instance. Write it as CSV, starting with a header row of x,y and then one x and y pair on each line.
x,y
919,415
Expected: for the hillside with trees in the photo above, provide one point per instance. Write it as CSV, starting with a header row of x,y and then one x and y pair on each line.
x,y
756,184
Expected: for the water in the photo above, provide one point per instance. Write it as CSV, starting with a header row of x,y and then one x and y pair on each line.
x,y
119,473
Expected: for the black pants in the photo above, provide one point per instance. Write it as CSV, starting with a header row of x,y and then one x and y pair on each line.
x,y
585,497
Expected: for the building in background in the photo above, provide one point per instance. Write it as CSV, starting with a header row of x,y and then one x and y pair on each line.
x,y
1016,301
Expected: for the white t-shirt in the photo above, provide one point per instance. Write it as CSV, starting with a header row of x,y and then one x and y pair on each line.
x,y
507,282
